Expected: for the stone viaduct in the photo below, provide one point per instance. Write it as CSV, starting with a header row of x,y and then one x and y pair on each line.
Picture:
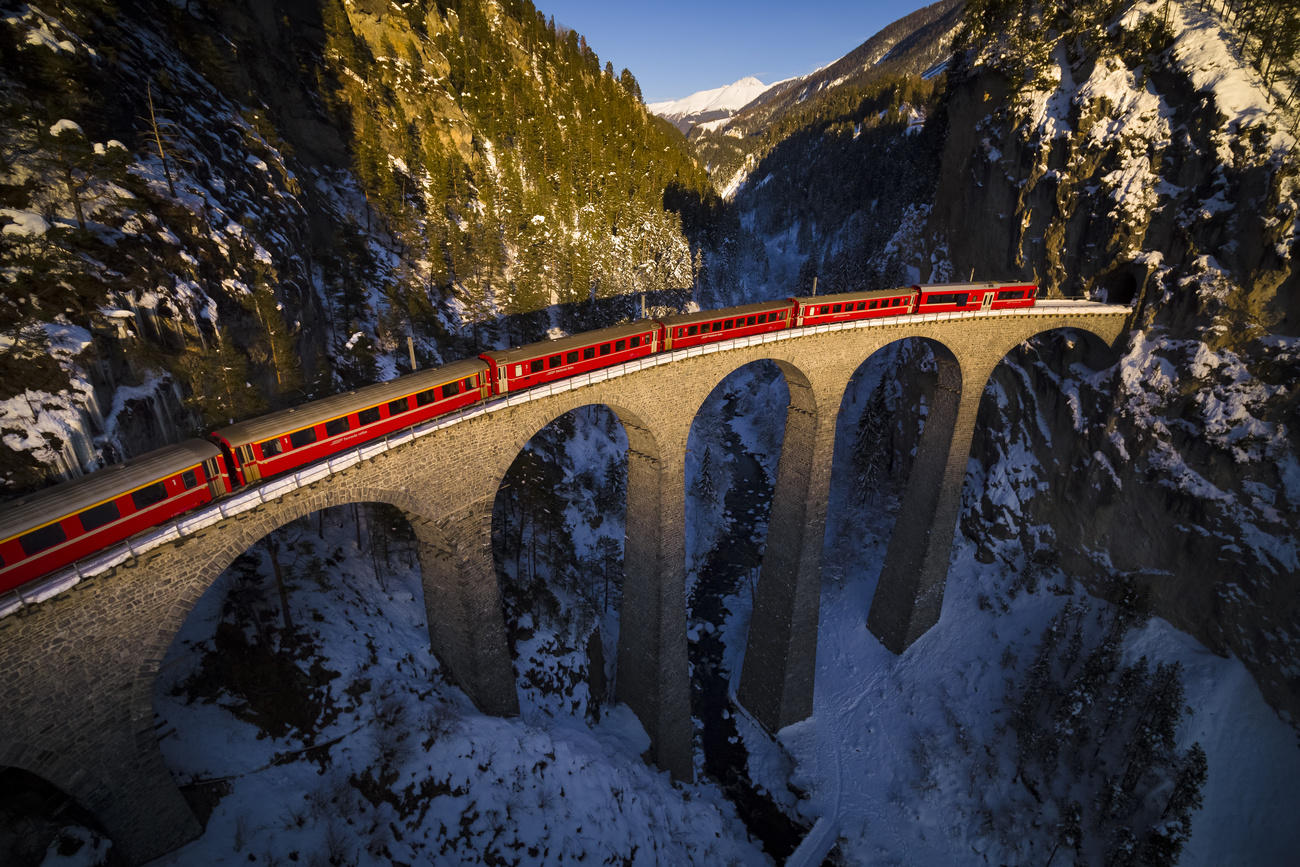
x,y
77,671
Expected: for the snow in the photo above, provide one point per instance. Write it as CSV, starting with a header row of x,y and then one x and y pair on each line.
x,y
65,125
405,769
731,98
872,708
1201,50
24,223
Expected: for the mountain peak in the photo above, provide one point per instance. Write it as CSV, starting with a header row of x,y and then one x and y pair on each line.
x,y
703,105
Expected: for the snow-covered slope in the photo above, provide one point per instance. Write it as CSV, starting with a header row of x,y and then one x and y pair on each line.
x,y
710,105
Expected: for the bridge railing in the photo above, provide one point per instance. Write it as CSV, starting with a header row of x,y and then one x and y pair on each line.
x,y
251,498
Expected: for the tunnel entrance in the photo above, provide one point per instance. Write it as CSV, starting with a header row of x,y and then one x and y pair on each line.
x,y
1119,288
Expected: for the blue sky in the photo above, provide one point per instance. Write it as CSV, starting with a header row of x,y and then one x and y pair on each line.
x,y
675,47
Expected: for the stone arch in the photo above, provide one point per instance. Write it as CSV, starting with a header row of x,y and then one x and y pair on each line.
x,y
944,393
869,382
909,593
780,648
240,533
135,836
80,784
461,627
1028,377
651,657
796,379
512,530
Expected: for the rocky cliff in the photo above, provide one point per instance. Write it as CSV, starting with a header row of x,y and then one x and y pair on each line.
x,y
1136,157
212,209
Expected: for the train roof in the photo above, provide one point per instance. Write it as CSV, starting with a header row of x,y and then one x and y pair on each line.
x,y
725,313
576,341
18,516
962,287
841,297
316,411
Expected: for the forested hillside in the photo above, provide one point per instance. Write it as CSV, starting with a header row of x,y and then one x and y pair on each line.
x,y
915,45
210,209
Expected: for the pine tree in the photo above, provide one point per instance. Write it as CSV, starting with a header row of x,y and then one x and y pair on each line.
x,y
705,486
871,446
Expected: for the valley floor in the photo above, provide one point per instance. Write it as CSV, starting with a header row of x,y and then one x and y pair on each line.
x,y
401,768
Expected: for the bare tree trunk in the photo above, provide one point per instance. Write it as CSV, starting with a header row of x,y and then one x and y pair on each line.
x,y
157,138
73,193
274,550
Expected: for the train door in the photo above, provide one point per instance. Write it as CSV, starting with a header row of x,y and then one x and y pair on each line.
x,y
216,486
252,472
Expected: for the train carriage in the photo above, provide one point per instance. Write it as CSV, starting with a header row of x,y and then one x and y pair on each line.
x,y
852,306
692,329
549,360
1011,296
59,525
281,441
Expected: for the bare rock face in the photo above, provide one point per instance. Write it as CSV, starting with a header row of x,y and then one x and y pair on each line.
x,y
1167,464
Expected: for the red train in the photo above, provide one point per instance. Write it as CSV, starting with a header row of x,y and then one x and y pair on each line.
x,y
62,524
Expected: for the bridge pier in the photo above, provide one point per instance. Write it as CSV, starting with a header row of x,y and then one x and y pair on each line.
x,y
653,676
909,595
462,604
776,681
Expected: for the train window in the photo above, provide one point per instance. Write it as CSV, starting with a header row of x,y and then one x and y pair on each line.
x,y
40,539
604,349
837,308
451,389
424,398
519,370
145,497
307,435
589,352
780,315
270,448
730,323
679,332
620,345
636,341
762,317
555,361
751,320
394,407
97,516
692,331
873,305
536,365
368,416
571,358
336,426
189,478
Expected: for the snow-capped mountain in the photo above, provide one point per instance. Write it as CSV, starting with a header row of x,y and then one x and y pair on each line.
x,y
710,105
